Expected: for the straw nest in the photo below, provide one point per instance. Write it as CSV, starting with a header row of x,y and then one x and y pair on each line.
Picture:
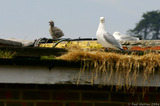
x,y
103,64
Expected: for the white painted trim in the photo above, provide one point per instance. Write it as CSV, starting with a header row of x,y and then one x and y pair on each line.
x,y
57,75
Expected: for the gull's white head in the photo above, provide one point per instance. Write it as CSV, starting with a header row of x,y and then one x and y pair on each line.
x,y
102,19
117,33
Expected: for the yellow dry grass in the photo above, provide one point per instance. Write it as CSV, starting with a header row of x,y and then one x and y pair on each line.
x,y
101,64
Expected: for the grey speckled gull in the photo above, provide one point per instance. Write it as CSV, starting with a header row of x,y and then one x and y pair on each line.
x,y
105,39
54,31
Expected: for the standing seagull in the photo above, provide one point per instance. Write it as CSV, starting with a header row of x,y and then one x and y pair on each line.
x,y
105,39
54,31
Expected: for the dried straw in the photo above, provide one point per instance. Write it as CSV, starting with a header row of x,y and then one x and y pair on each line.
x,y
102,65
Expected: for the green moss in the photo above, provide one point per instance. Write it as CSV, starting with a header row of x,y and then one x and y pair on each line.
x,y
47,57
6,54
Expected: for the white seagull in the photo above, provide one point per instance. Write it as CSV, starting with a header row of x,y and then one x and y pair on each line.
x,y
120,37
105,39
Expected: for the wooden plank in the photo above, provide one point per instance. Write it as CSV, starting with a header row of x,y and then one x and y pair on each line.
x,y
34,51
